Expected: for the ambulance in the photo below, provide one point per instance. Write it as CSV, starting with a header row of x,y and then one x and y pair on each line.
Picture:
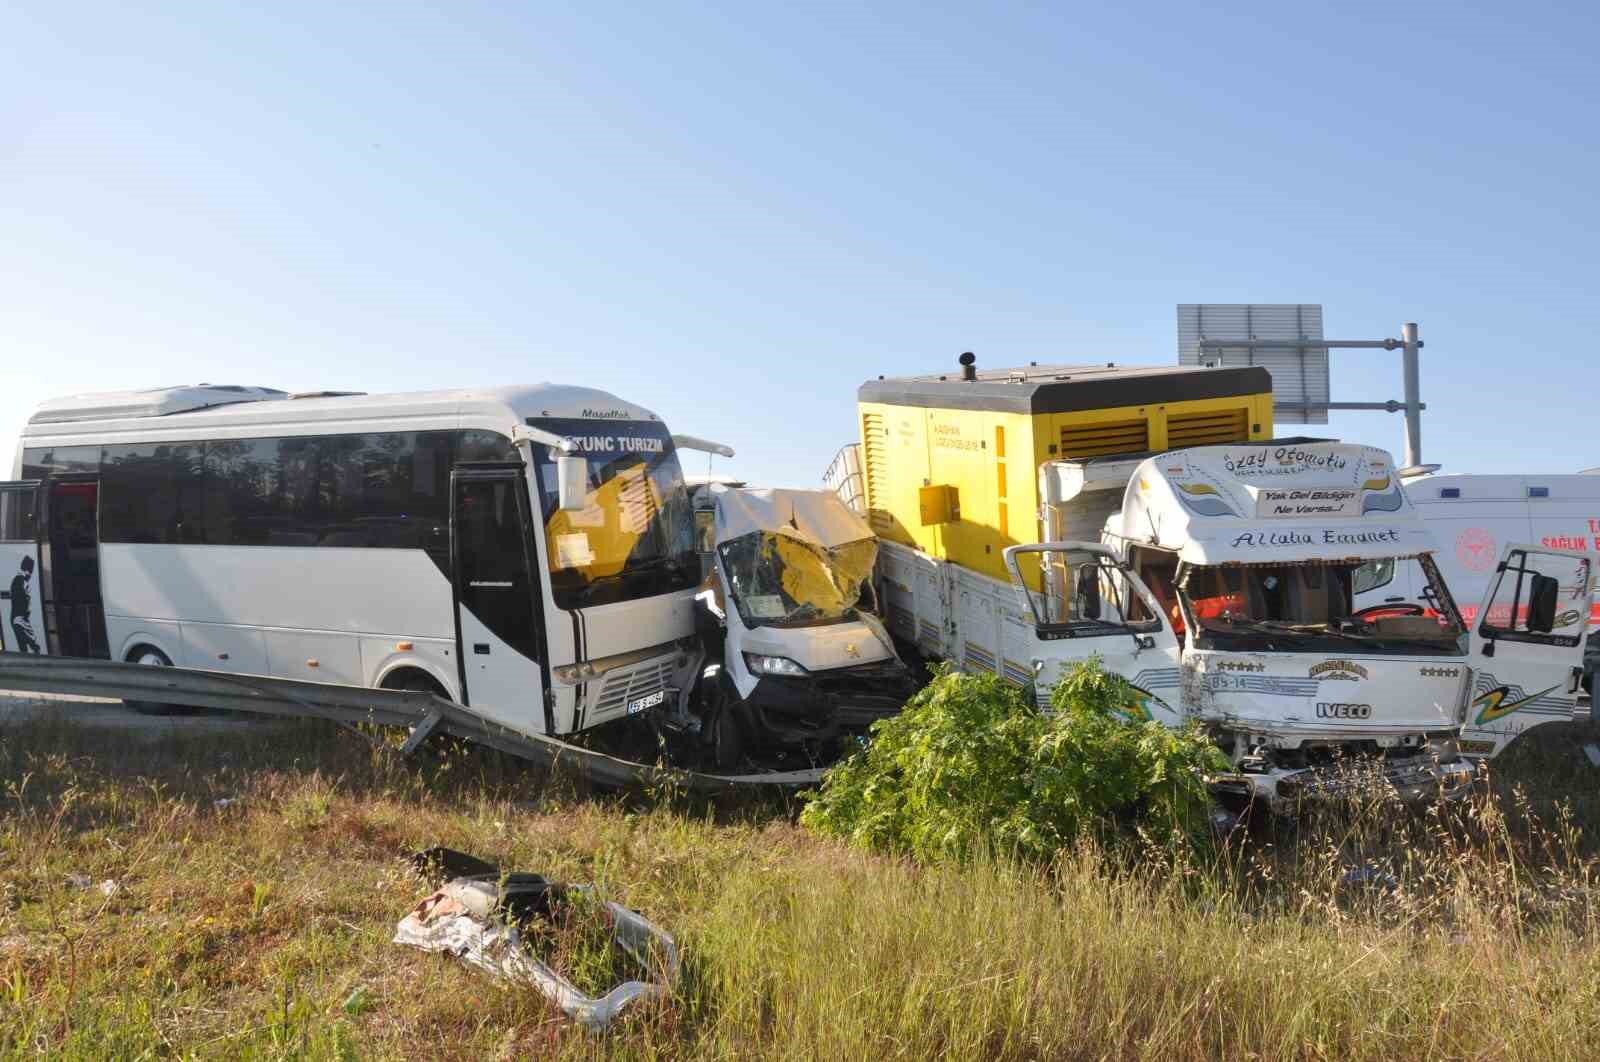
x,y
1474,517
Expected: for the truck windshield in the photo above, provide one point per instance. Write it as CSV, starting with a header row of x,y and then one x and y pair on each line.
x,y
635,536
1307,607
778,580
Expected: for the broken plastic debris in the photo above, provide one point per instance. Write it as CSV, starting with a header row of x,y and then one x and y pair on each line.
x,y
474,916
107,888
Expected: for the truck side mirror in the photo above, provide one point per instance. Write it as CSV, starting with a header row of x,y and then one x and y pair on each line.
x,y
572,482
1543,590
1089,591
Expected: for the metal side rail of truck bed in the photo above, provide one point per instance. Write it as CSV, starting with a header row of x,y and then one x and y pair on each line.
x,y
423,713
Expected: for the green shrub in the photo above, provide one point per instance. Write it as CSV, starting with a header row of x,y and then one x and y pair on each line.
x,y
971,764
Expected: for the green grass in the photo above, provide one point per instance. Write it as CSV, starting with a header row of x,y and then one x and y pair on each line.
x,y
260,929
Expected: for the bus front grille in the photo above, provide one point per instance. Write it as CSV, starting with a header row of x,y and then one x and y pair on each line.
x,y
629,684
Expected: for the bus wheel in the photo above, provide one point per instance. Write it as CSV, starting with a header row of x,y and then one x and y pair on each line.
x,y
150,656
411,680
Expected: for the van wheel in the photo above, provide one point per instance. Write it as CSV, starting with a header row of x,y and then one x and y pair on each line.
x,y
726,740
150,656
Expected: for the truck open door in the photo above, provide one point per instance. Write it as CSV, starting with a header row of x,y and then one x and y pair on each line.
x,y
21,610
1527,646
1088,603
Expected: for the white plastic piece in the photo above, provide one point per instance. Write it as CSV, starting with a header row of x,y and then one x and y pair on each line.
x,y
497,950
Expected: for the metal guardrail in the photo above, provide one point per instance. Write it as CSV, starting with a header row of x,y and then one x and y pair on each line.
x,y
423,713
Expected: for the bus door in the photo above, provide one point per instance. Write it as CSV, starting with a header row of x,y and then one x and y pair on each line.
x,y
499,634
21,615
69,556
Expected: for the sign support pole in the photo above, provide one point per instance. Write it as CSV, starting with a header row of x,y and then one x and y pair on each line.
x,y
1409,347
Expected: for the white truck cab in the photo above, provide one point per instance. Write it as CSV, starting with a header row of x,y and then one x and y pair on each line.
x,y
1219,580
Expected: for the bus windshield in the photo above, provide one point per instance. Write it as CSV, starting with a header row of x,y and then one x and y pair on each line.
x,y
635,536
1307,607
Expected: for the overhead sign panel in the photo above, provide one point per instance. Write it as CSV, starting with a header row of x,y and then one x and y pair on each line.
x,y
1283,338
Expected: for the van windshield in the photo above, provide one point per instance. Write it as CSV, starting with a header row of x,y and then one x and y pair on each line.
x,y
635,536
1308,607
778,580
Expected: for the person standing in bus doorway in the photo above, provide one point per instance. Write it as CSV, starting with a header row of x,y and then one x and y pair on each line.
x,y
22,609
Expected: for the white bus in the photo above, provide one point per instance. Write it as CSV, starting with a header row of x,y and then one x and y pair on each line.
x,y
526,551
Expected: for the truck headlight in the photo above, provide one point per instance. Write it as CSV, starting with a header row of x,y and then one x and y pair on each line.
x,y
772,665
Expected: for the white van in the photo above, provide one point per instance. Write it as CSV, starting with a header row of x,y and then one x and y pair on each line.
x,y
1474,517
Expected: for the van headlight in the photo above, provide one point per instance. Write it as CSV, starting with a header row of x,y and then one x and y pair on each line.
x,y
772,665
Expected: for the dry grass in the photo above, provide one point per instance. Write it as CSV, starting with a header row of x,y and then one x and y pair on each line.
x,y
260,927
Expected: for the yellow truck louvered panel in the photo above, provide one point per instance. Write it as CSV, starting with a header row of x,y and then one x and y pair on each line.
x,y
979,442
874,461
1208,429
1098,440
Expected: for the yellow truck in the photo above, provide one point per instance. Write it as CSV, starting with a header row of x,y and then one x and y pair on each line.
x,y
951,461
1034,518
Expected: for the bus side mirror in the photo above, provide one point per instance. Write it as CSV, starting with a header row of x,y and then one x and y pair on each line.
x,y
572,482
1542,595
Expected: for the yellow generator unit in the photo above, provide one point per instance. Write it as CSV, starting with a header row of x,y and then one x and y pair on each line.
x,y
951,462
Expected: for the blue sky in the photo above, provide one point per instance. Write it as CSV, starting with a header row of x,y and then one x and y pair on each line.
x,y
736,213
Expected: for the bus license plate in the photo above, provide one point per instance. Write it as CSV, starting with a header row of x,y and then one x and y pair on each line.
x,y
650,701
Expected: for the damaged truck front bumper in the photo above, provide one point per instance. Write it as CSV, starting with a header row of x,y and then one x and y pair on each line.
x,y
1414,779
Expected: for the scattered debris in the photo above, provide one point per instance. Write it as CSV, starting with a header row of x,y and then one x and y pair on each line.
x,y
480,916
226,802
107,888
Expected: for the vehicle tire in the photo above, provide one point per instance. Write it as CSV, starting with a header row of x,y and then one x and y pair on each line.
x,y
725,744
150,656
